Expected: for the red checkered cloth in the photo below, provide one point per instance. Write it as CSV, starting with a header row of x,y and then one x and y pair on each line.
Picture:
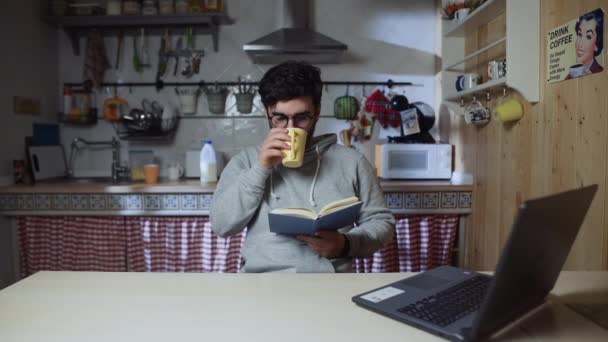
x,y
180,244
187,244
389,118
71,243
421,242
377,103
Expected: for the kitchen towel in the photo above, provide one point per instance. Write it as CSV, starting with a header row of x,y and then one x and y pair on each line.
x,y
95,59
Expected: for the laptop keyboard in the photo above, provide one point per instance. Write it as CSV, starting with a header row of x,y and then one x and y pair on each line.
x,y
451,304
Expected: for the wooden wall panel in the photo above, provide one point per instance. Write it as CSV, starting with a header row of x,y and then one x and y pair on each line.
x,y
560,143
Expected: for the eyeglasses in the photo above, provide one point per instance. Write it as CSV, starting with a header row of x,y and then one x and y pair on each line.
x,y
301,120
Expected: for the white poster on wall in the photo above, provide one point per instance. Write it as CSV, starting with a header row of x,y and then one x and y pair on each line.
x,y
576,48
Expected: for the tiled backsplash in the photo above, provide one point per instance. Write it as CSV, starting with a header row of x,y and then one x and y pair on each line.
x,y
439,202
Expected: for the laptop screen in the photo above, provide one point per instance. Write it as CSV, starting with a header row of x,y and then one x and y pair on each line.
x,y
533,257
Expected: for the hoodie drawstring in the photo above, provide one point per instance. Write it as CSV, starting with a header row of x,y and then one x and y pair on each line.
x,y
272,194
314,180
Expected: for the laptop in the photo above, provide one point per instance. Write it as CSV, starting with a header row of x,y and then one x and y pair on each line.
x,y
462,305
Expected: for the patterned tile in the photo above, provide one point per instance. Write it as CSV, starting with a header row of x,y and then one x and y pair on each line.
x,y
98,202
171,202
25,202
4,202
394,200
61,202
204,201
152,202
42,201
80,202
11,201
430,200
412,201
465,200
188,202
116,202
449,200
134,202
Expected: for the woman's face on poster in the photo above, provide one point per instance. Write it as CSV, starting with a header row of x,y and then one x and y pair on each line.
x,y
586,37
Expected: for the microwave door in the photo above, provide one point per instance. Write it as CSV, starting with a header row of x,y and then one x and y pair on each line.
x,y
408,164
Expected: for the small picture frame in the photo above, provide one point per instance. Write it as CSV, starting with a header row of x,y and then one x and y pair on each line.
x,y
409,119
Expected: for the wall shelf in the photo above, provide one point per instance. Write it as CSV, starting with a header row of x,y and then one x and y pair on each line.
x,y
203,22
522,48
482,15
482,88
476,53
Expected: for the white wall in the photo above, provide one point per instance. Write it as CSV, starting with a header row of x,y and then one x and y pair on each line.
x,y
387,39
28,65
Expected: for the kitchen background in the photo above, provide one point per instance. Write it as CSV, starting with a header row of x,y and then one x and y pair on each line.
x,y
386,39
381,46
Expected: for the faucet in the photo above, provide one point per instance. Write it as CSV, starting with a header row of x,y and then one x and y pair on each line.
x,y
78,143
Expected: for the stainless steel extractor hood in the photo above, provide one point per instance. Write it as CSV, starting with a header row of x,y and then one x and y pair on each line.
x,y
295,40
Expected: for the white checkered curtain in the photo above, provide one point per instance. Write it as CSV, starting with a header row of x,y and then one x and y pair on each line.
x,y
421,242
180,244
71,243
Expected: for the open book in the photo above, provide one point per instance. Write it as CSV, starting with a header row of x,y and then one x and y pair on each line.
x,y
333,216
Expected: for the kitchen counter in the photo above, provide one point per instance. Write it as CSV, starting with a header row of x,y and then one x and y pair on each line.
x,y
194,186
182,186
190,198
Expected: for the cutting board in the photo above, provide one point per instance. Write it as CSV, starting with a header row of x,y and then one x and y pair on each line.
x,y
47,162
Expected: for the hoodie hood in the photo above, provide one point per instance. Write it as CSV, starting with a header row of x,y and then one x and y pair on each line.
x,y
321,144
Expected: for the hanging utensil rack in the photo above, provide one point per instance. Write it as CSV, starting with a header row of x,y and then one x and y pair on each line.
x,y
159,85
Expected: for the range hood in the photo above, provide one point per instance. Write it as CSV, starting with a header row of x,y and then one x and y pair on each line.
x,y
295,40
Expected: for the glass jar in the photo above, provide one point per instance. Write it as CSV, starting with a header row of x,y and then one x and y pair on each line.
x,y
165,7
131,7
181,6
137,160
149,8
114,7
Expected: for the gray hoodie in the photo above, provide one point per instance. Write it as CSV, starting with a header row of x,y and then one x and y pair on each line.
x,y
246,193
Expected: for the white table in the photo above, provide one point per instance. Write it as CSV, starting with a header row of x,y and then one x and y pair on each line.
x,y
81,306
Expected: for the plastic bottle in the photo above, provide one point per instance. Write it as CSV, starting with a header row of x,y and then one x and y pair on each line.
x,y
208,163
67,100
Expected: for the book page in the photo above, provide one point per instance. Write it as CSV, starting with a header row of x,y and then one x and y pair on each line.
x,y
302,212
337,205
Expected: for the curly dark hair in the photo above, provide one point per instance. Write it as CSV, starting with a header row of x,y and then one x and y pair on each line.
x,y
289,80
598,16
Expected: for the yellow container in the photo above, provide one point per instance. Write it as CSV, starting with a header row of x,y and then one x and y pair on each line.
x,y
295,156
510,110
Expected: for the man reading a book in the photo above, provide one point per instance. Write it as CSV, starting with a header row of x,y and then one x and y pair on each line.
x,y
255,182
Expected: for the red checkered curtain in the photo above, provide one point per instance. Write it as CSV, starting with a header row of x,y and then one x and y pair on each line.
x,y
180,244
71,243
421,242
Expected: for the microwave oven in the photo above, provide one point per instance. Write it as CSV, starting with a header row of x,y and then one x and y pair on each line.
x,y
414,161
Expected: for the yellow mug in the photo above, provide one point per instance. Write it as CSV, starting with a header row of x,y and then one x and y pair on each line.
x,y
295,156
509,111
